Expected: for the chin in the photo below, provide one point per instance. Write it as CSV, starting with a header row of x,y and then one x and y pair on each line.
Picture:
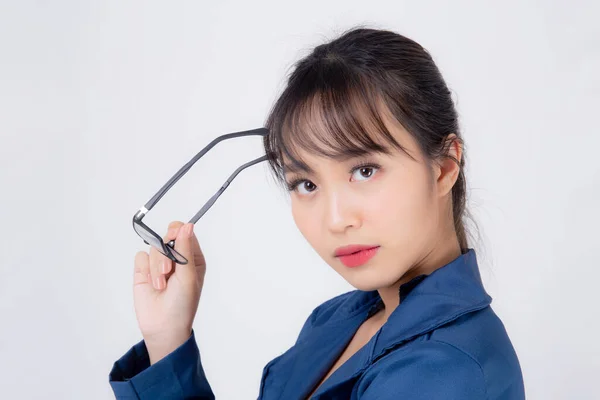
x,y
365,286
369,280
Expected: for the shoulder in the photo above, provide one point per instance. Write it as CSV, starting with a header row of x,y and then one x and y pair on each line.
x,y
483,337
424,369
469,358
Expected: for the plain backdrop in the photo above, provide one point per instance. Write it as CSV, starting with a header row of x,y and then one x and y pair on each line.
x,y
102,101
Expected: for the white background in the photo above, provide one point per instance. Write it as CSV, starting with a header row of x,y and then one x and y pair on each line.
x,y
102,101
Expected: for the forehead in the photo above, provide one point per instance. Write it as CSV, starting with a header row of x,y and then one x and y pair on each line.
x,y
318,138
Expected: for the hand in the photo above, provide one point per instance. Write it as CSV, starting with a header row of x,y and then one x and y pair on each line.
x,y
166,294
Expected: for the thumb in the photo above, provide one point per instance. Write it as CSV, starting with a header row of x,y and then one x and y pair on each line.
x,y
187,245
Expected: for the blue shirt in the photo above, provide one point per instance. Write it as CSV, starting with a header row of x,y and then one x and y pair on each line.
x,y
443,341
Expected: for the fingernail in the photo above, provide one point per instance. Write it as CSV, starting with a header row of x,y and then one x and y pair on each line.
x,y
158,282
190,229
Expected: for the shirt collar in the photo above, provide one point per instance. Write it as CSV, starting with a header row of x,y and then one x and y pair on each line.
x,y
429,301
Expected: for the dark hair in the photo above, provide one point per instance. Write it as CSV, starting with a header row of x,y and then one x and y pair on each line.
x,y
345,85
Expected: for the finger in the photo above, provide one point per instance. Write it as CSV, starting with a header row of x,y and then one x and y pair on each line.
x,y
160,263
141,269
171,234
197,255
156,259
199,261
187,245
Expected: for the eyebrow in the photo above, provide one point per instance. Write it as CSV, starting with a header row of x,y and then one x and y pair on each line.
x,y
294,168
344,157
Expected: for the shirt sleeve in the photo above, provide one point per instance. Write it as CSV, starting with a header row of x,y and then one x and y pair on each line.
x,y
179,375
429,370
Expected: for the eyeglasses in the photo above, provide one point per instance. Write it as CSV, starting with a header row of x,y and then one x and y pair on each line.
x,y
152,238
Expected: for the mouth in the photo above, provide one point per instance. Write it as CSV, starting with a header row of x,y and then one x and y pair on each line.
x,y
356,255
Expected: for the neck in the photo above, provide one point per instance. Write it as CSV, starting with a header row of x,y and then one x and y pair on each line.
x,y
442,254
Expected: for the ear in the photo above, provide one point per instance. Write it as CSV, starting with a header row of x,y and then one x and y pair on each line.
x,y
449,166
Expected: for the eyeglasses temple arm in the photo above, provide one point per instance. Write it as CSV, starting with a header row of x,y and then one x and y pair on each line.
x,y
214,198
148,206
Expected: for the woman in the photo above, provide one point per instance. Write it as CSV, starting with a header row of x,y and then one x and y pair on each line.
x,y
366,138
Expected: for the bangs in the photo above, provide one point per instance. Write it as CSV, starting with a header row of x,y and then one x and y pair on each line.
x,y
328,113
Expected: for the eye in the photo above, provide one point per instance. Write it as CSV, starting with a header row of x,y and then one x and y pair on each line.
x,y
364,172
302,186
308,186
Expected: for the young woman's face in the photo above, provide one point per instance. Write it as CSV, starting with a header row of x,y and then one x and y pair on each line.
x,y
389,201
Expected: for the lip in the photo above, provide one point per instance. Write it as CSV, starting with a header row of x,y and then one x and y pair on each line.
x,y
354,248
356,255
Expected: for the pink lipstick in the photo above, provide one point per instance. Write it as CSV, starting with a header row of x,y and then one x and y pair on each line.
x,y
355,255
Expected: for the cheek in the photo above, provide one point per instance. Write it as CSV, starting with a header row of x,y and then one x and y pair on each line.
x,y
406,210
305,221
297,214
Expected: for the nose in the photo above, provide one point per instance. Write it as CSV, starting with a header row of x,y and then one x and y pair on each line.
x,y
340,212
